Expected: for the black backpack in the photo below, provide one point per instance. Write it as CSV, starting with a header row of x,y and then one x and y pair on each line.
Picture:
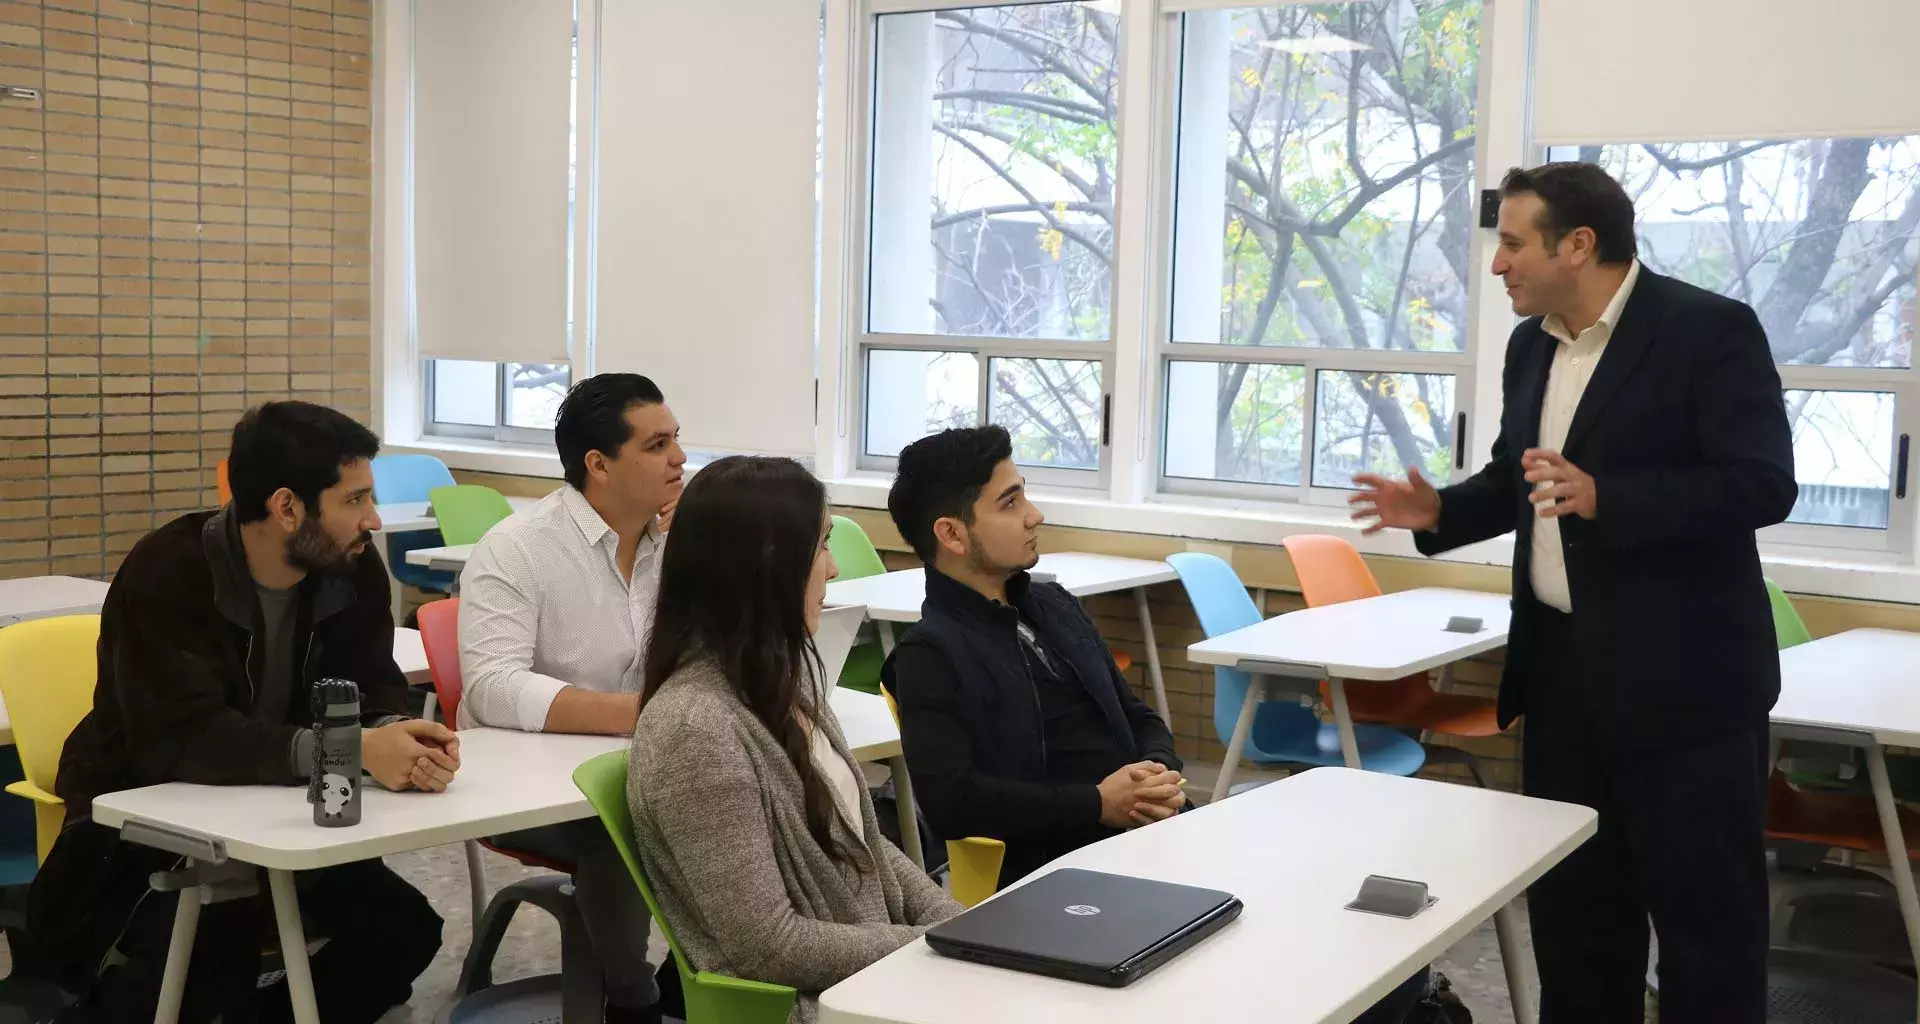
x,y
1440,1006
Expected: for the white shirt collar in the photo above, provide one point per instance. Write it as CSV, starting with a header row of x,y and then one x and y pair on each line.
x,y
1609,316
593,529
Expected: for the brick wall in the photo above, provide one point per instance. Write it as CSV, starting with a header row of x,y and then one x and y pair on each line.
x,y
184,232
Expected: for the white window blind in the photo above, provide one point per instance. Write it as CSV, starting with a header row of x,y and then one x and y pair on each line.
x,y
1666,71
704,234
490,102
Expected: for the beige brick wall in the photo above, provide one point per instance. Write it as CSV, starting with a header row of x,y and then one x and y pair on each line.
x,y
184,232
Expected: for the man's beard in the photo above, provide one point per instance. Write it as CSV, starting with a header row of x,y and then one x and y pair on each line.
x,y
312,549
977,558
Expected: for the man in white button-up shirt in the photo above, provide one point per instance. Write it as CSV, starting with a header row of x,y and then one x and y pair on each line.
x,y
1643,441
556,604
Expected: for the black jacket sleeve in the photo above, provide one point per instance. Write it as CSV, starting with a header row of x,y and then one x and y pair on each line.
x,y
960,796
171,688
1744,478
1483,505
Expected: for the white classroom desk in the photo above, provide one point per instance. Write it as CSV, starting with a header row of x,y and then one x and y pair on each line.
x,y
1860,689
411,655
452,558
1294,852
42,597
408,517
508,781
896,596
1377,639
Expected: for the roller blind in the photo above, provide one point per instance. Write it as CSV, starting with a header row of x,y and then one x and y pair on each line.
x,y
1697,70
491,82
704,246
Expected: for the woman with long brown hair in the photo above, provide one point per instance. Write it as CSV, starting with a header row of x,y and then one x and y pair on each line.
x,y
753,824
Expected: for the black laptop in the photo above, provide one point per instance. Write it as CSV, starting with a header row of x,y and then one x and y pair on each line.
x,y
1086,926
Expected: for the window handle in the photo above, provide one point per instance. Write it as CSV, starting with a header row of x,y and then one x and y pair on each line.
x,y
1900,472
1460,441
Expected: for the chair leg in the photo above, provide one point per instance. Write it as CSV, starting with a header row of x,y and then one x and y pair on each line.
x,y
476,879
582,987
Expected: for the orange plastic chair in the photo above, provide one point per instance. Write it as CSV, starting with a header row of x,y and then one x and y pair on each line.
x,y
1332,572
220,481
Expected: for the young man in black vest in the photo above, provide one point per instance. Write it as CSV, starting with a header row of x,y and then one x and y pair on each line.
x,y
1018,725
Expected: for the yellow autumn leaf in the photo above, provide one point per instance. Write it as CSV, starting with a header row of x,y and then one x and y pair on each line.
x,y
1251,77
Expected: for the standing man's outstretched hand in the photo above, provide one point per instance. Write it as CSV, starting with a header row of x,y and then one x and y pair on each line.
x,y
1410,504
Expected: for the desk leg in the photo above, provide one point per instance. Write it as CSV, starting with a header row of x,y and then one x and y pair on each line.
x,y
1897,863
907,811
1153,655
1237,743
293,947
885,629
1343,720
173,979
1514,957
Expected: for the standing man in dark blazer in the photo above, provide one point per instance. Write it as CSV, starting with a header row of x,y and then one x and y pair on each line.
x,y
1643,441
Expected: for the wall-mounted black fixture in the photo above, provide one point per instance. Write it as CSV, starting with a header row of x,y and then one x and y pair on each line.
x,y
1489,207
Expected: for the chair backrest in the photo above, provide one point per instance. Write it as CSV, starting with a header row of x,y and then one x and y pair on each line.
x,y
220,482
48,669
440,635
1219,598
834,638
402,477
1329,569
467,511
853,551
1788,629
603,778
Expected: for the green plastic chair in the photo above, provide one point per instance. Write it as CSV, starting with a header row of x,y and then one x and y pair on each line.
x,y
467,511
1788,629
854,555
711,998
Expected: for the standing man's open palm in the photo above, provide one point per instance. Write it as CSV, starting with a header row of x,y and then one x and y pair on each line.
x,y
1410,504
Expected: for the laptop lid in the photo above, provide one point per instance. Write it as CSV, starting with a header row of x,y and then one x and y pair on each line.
x,y
834,638
1088,918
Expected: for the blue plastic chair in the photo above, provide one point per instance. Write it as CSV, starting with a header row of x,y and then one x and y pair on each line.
x,y
1284,731
401,478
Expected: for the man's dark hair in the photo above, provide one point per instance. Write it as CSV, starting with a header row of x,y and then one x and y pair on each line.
x,y
593,417
1578,195
296,445
942,476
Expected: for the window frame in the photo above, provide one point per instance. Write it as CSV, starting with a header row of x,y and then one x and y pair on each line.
x,y
1896,541
858,278
501,431
1164,349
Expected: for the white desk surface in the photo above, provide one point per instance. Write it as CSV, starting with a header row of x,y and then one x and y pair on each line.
x,y
896,596
1863,681
411,655
1294,852
1376,639
406,516
38,597
508,780
452,558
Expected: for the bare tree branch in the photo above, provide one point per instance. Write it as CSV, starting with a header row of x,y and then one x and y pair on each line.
x,y
1098,251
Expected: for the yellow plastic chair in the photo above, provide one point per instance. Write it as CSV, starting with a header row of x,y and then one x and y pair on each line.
x,y
48,668
973,863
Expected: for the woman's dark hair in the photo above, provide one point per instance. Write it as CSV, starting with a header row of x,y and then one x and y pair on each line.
x,y
940,476
733,588
593,418
1578,195
297,445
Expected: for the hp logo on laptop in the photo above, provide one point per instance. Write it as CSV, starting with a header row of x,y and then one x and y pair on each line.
x,y
1082,910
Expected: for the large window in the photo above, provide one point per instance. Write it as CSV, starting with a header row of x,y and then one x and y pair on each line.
x,y
990,230
1821,237
1323,221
